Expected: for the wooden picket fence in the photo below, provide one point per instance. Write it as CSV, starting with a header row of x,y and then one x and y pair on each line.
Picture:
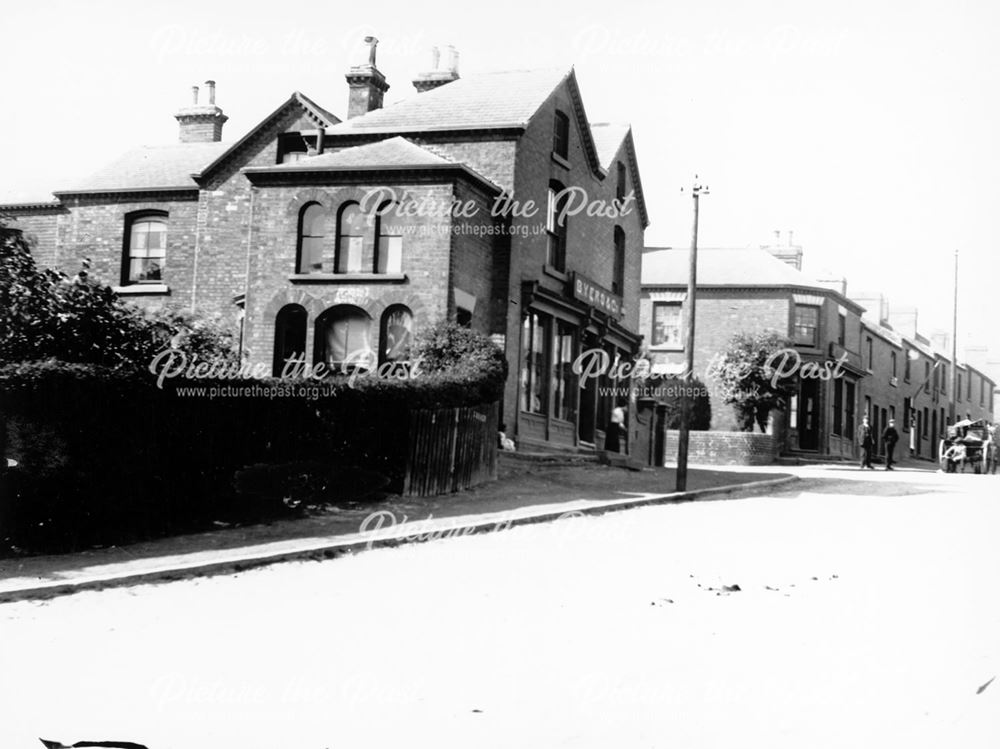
x,y
451,449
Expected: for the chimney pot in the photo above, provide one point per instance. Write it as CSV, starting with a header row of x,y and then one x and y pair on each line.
x,y
211,92
435,58
194,95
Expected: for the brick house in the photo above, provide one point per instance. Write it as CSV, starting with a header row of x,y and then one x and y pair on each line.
x,y
339,240
751,290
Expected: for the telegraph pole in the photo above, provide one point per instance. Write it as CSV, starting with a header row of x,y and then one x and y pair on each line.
x,y
686,401
954,350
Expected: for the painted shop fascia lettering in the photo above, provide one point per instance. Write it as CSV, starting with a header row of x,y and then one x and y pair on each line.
x,y
279,232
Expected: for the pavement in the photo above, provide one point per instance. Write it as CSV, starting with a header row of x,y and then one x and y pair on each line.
x,y
527,491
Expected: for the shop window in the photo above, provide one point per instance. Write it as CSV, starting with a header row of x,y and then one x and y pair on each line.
x,y
924,432
312,230
351,225
838,406
388,240
618,282
806,325
560,135
343,335
555,227
396,335
907,414
667,324
289,336
562,373
535,331
146,248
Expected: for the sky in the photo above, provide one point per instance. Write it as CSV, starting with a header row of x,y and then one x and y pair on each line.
x,y
869,129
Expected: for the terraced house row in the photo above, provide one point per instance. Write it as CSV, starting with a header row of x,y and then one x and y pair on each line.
x,y
491,200
888,369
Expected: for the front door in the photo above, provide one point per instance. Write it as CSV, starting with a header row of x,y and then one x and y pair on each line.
x,y
808,414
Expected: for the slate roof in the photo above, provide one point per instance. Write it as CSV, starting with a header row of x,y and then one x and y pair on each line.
x,y
608,137
740,267
392,152
152,168
487,100
389,154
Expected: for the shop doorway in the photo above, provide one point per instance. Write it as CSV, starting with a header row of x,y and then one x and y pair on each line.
x,y
808,414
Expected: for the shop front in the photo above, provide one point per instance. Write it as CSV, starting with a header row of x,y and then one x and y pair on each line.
x,y
563,336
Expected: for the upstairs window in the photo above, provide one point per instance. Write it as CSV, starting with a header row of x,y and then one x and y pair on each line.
x,y
667,324
555,227
388,241
958,387
906,366
842,329
621,187
892,364
869,354
147,249
560,136
618,277
350,238
806,325
312,229
927,377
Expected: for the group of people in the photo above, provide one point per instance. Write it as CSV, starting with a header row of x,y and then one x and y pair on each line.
x,y
866,438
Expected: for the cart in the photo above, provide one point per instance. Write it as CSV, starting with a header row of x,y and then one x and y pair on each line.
x,y
968,443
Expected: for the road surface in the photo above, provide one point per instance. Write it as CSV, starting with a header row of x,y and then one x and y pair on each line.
x,y
867,614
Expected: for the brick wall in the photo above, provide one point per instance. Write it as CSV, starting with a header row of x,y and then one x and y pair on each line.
x,y
727,448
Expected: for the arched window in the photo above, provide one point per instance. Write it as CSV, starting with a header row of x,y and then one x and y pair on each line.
x,y
350,238
555,226
388,241
343,334
396,334
312,229
618,276
289,336
146,248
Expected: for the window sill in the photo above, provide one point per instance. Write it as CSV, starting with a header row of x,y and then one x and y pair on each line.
x,y
348,278
551,270
665,348
142,289
561,161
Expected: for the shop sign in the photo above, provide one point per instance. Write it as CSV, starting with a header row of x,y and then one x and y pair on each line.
x,y
596,296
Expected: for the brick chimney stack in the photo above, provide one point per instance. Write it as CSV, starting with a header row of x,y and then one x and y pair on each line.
x,y
201,123
367,84
444,69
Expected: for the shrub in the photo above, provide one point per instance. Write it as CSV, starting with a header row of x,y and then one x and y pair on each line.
x,y
45,314
746,380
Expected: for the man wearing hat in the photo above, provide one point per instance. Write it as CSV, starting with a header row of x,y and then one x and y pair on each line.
x,y
890,437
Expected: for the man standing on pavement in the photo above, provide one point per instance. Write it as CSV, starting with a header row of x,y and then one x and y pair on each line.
x,y
890,437
865,441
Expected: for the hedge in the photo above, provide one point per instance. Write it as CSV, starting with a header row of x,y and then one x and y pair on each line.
x,y
107,456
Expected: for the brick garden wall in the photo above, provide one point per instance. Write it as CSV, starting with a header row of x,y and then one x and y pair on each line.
x,y
727,448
